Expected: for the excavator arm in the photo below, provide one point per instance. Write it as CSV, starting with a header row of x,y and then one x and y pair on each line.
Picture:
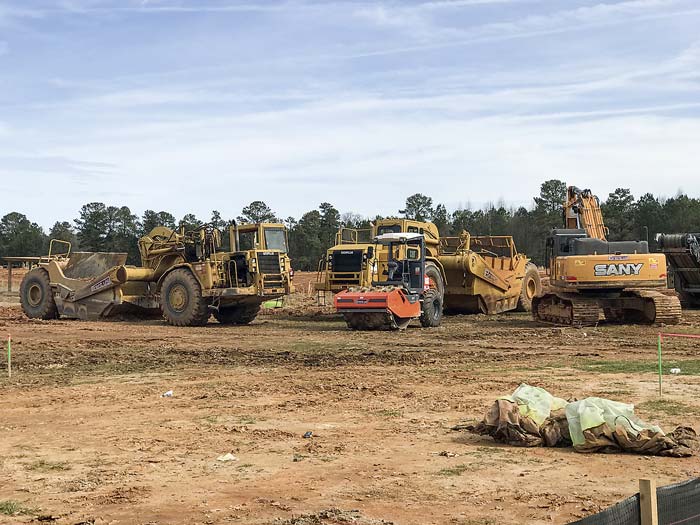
x,y
582,211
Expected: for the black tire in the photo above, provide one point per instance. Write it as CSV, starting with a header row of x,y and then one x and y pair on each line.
x,y
689,300
36,296
431,314
181,299
432,271
237,314
531,288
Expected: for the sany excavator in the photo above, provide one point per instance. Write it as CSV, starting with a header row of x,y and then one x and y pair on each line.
x,y
404,291
589,273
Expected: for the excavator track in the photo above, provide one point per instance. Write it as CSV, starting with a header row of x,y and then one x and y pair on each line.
x,y
660,307
566,309
649,306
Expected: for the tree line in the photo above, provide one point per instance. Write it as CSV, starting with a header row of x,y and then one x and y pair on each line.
x,y
100,227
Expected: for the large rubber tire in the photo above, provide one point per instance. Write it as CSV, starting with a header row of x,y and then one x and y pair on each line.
x,y
36,296
531,288
437,282
689,300
181,299
237,314
431,315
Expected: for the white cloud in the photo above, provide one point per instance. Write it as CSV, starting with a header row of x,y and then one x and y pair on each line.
x,y
10,13
415,20
457,4
294,130
335,151
155,7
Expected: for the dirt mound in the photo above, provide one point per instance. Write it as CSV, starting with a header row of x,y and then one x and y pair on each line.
x,y
332,517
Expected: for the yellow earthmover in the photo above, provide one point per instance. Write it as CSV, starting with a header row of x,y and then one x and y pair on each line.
x,y
352,261
588,273
347,263
481,274
486,274
186,275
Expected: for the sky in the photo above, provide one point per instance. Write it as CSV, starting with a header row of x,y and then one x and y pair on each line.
x,y
196,105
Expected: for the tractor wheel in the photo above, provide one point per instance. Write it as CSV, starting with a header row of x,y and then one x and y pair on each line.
x,y
431,315
532,287
182,303
36,296
237,314
436,281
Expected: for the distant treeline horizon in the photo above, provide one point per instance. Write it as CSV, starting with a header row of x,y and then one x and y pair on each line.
x,y
100,227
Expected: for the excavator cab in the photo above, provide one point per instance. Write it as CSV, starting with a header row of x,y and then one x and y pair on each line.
x,y
559,243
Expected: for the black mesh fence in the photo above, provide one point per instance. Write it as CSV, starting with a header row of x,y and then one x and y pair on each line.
x,y
624,513
677,504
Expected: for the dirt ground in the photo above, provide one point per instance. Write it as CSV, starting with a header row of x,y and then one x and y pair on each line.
x,y
86,438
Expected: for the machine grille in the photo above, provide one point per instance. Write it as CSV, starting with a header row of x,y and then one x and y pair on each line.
x,y
347,261
268,263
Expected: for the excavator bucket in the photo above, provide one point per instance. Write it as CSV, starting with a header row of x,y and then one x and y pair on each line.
x,y
381,308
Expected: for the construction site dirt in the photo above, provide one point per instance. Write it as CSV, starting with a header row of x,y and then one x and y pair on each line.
x,y
323,425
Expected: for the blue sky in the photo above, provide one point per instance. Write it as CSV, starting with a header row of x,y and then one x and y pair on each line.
x,y
198,105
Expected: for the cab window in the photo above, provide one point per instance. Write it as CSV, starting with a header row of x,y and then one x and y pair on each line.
x,y
247,240
275,239
388,229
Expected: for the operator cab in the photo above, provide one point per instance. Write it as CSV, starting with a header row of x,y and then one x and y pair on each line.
x,y
405,265
262,237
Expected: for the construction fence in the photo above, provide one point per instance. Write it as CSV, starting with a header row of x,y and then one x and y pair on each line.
x,y
670,505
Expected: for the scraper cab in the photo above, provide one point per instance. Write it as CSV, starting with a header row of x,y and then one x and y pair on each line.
x,y
402,291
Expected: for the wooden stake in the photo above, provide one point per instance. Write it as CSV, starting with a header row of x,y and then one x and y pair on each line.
x,y
647,502
9,277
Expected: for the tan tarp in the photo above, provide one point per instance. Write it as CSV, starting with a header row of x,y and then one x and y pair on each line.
x,y
591,425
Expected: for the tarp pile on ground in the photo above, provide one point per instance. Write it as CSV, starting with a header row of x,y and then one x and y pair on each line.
x,y
532,417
